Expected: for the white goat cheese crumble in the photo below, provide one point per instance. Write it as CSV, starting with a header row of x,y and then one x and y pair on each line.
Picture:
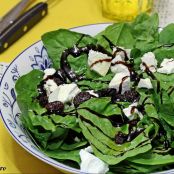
x,y
64,93
120,80
150,61
50,86
90,163
121,53
131,110
99,62
49,72
145,83
167,66
117,67
92,93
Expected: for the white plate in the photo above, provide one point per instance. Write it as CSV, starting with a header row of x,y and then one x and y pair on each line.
x,y
34,57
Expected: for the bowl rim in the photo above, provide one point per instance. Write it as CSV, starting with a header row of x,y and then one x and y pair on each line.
x,y
56,164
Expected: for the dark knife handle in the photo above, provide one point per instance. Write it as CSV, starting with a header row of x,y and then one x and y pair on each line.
x,y
22,24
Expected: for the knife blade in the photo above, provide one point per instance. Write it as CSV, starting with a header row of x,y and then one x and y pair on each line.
x,y
13,14
22,25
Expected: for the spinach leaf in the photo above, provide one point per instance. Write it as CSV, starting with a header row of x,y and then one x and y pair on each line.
x,y
145,30
64,155
112,160
68,121
102,123
163,52
151,158
103,106
27,91
58,41
166,35
73,146
119,34
43,121
145,27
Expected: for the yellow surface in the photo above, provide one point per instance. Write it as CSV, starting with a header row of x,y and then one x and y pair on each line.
x,y
64,14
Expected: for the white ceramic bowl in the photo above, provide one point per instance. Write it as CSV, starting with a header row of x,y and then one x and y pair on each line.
x,y
34,57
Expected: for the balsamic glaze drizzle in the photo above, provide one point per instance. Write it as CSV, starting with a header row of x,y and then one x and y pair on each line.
x,y
75,52
118,49
116,120
147,70
100,61
121,84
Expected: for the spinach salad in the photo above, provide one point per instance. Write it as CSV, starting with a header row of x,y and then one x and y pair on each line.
x,y
112,93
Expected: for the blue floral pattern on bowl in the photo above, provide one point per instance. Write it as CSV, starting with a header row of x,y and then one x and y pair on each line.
x,y
34,57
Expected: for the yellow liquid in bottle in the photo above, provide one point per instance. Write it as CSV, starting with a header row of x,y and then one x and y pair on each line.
x,y
125,9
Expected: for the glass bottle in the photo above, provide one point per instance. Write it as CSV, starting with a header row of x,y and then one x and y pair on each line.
x,y
125,10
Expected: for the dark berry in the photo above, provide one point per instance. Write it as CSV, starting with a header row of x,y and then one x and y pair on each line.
x,y
55,107
43,100
127,96
120,138
81,97
131,96
108,92
41,89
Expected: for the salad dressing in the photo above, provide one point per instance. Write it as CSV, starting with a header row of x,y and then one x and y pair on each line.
x,y
100,61
116,120
75,52
121,84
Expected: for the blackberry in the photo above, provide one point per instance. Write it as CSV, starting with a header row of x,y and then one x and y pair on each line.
x,y
81,97
108,92
132,95
41,89
127,96
43,100
56,107
120,138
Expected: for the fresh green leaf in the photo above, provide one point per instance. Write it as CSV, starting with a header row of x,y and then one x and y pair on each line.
x,y
166,35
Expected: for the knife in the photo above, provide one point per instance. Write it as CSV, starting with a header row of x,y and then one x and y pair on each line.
x,y
14,13
22,24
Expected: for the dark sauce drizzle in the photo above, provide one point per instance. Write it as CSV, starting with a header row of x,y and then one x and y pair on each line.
x,y
133,74
117,120
118,49
75,52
